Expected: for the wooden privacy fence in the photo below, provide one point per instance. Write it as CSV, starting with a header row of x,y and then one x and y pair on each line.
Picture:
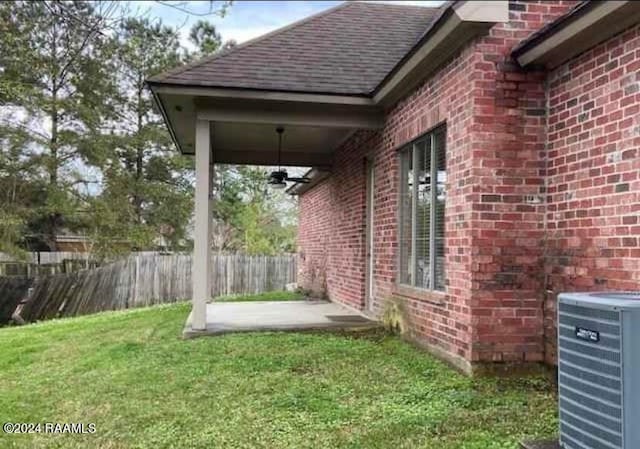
x,y
168,277
144,280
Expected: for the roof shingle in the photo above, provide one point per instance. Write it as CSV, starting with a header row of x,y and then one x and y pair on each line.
x,y
346,50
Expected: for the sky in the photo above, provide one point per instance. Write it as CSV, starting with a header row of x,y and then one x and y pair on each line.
x,y
245,19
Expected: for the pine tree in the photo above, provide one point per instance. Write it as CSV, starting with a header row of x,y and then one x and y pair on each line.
x,y
147,179
54,88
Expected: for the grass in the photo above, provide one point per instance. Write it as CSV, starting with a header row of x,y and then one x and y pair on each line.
x,y
269,296
143,387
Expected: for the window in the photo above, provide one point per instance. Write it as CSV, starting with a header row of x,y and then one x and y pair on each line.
x,y
422,203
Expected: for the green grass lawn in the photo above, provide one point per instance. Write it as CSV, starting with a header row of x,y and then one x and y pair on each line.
x,y
143,387
269,296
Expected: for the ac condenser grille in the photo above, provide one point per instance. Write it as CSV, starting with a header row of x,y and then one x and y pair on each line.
x,y
590,379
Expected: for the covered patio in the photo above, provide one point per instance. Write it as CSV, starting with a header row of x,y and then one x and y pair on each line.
x,y
322,80
230,127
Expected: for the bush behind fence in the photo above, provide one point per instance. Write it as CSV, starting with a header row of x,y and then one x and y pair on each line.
x,y
143,280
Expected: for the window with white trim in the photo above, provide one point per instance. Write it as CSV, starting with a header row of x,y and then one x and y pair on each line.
x,y
422,204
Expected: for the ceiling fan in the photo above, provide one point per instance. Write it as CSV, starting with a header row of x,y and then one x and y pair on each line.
x,y
278,178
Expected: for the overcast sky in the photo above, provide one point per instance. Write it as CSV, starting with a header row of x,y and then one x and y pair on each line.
x,y
245,19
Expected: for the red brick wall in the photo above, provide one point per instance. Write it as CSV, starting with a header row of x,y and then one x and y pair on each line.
x,y
508,200
444,98
492,309
593,165
331,231
314,227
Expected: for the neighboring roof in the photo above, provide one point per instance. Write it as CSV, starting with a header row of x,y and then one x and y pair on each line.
x,y
346,50
71,238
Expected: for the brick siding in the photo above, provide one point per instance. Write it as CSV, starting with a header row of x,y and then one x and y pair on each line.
x,y
314,227
593,166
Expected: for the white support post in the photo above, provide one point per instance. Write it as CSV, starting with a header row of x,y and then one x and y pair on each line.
x,y
202,236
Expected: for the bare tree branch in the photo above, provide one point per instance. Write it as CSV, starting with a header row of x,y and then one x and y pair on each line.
x,y
220,12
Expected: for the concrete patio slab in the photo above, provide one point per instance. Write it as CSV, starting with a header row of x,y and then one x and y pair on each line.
x,y
226,317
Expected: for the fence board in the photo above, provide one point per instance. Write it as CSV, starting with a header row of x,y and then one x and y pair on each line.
x,y
147,279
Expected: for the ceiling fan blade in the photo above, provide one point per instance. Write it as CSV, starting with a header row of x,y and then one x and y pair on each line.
x,y
300,180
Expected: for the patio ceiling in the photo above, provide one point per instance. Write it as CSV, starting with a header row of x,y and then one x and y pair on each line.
x,y
243,127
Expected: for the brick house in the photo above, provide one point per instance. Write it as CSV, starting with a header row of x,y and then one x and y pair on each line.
x,y
469,161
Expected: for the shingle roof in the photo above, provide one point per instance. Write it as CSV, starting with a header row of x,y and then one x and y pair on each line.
x,y
346,50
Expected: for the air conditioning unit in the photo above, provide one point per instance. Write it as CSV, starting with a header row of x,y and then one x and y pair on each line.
x,y
599,370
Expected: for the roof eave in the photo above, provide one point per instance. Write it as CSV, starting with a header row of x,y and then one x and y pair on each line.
x,y
582,28
242,93
458,23
165,117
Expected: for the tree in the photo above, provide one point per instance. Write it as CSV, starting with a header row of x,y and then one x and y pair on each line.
x,y
54,88
147,179
255,218
74,101
20,186
205,37
228,45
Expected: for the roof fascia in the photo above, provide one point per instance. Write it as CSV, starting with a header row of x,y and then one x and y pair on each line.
x,y
252,94
575,33
165,117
